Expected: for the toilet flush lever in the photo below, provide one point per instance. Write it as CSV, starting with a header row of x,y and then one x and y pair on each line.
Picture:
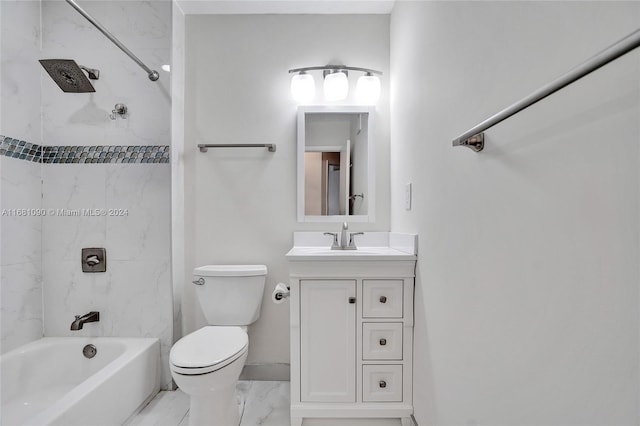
x,y
199,281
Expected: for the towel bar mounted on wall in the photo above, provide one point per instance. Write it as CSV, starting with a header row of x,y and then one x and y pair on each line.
x,y
474,138
270,146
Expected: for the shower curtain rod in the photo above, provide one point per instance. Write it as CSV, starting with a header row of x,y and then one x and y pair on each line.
x,y
474,138
153,74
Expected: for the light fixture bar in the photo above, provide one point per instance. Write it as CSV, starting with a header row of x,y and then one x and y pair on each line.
x,y
335,67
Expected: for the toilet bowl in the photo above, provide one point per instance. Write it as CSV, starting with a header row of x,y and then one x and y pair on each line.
x,y
207,363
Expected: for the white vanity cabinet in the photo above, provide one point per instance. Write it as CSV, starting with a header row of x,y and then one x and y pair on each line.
x,y
351,336
327,336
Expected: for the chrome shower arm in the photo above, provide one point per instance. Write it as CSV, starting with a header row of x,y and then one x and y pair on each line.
x,y
153,75
93,73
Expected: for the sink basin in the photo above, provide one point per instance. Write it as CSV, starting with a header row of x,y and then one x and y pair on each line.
x,y
372,246
365,253
326,251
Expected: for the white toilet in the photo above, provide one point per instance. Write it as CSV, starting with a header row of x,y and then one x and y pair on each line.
x,y
206,364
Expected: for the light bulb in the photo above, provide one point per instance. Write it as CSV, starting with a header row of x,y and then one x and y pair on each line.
x,y
368,89
336,86
303,88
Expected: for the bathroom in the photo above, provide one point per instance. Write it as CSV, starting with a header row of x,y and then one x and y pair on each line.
x,y
526,299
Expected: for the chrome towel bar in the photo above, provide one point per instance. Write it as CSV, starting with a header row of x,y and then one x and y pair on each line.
x,y
474,138
270,146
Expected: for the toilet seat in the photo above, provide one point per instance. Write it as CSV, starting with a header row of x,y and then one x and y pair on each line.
x,y
208,349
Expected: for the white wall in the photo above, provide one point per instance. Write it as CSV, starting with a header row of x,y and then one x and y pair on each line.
x,y
20,186
527,279
241,204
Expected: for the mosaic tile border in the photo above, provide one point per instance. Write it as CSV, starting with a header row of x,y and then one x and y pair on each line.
x,y
100,154
21,150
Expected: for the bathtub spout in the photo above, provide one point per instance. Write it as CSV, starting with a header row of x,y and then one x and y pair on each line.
x,y
80,320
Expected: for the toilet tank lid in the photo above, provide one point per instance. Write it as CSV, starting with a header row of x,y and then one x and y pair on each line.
x,y
230,270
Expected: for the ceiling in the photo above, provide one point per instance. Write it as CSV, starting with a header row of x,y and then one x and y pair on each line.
x,y
225,7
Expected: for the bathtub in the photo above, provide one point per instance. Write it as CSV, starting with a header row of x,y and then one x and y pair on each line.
x,y
51,382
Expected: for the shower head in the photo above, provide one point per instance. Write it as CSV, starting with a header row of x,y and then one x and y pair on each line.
x,y
69,76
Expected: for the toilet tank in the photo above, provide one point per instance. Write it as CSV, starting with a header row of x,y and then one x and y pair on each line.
x,y
230,294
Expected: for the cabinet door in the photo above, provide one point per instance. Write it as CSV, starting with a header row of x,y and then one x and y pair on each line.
x,y
327,340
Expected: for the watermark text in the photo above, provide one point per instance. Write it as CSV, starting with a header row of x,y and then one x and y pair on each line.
x,y
111,212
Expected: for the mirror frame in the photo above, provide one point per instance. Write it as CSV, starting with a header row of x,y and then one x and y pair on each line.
x,y
371,161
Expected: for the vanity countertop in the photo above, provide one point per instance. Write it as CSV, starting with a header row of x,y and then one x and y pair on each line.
x,y
371,246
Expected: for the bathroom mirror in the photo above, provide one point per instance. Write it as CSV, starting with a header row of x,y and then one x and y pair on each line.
x,y
336,178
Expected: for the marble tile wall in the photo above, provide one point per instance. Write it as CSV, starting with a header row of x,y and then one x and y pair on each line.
x,y
20,98
47,285
21,256
83,118
50,212
134,295
20,185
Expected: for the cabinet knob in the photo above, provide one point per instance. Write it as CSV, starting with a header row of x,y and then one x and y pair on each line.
x,y
352,300
383,299
382,384
383,342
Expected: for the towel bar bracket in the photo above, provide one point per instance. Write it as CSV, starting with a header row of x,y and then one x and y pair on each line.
x,y
475,142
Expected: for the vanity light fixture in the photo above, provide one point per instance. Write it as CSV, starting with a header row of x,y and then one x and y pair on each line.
x,y
368,89
336,84
303,87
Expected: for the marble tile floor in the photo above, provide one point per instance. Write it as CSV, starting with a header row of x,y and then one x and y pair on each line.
x,y
263,403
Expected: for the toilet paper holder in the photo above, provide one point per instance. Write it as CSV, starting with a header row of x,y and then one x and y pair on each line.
x,y
281,292
282,295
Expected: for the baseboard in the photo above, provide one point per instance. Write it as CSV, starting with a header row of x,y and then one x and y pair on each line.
x,y
279,372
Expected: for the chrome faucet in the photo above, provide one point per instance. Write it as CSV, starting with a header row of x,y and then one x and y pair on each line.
x,y
347,242
92,316
352,241
344,236
334,244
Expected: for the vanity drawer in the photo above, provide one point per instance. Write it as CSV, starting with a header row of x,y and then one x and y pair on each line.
x,y
382,383
381,341
382,298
